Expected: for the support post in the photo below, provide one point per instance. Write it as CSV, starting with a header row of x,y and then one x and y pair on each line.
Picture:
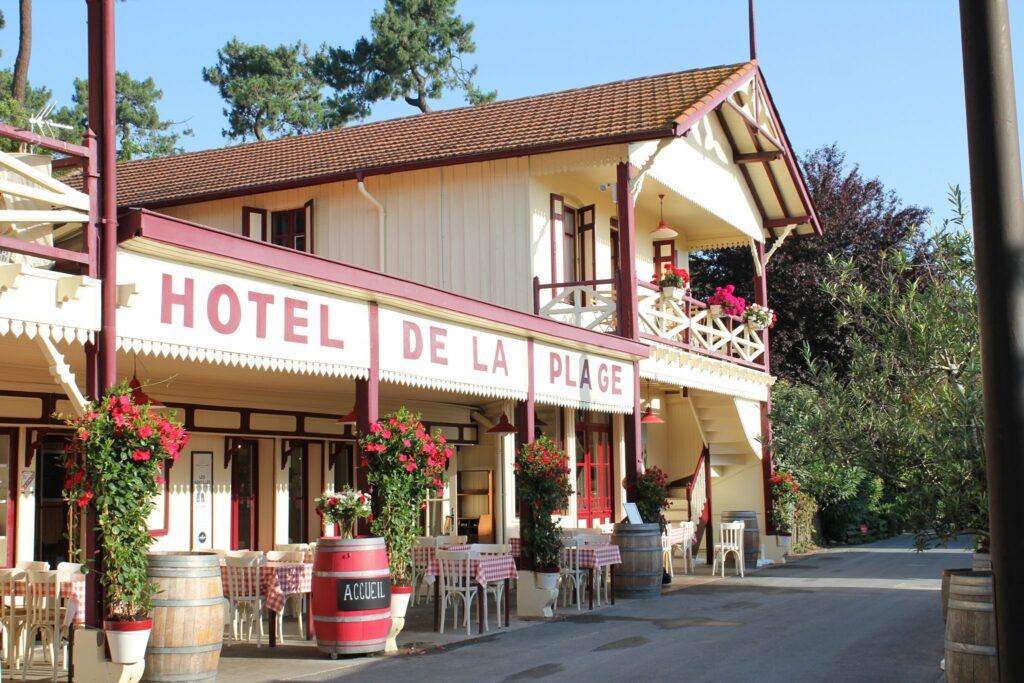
x,y
626,277
368,400
998,217
108,194
767,463
633,429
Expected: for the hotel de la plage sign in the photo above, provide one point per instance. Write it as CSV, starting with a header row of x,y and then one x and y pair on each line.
x,y
196,313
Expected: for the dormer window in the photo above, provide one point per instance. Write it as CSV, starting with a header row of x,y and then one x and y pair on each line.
x,y
291,228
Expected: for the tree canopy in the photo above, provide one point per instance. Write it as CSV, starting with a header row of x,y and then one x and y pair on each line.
x,y
269,91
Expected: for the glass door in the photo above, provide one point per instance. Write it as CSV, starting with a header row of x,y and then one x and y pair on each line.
x,y
298,478
51,510
244,493
593,470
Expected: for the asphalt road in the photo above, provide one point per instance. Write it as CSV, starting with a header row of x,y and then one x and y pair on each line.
x,y
868,613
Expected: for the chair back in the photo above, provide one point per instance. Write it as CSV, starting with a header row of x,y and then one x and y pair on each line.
x,y
490,549
32,565
285,556
243,553
730,535
451,540
243,575
69,570
454,566
9,599
304,547
42,591
607,528
570,561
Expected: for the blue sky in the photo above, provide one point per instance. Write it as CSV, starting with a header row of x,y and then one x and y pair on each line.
x,y
882,79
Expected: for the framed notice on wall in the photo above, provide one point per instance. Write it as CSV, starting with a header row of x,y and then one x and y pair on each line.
x,y
202,500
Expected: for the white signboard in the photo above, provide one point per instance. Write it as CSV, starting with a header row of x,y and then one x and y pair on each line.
x,y
581,380
184,310
202,500
444,355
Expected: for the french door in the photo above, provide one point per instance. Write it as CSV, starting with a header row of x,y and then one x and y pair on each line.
x,y
51,509
244,495
593,470
298,484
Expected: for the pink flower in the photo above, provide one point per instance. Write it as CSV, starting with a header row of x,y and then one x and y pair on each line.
x,y
407,443
85,498
386,433
375,427
140,456
402,457
160,480
410,467
145,432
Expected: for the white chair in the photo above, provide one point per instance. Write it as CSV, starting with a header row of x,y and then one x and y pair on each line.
x,y
245,604
730,540
69,570
602,581
423,548
297,600
570,570
457,582
497,588
304,547
686,549
32,565
451,540
666,553
12,615
45,617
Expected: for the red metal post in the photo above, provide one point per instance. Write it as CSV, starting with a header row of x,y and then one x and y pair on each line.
x,y
710,544
368,392
767,465
633,433
626,277
108,181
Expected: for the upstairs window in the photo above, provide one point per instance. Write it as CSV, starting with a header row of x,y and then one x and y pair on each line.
x,y
292,228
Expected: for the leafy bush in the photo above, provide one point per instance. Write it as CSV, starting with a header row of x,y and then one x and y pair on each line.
x,y
650,491
542,480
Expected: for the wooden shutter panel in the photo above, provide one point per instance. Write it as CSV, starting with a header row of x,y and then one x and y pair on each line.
x,y
557,227
310,232
587,243
254,223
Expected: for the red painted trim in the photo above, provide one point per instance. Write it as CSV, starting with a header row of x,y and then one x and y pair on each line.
x,y
140,625
710,545
531,404
659,260
757,157
254,511
368,397
634,456
557,226
12,490
310,231
142,223
41,250
353,174
627,299
707,104
52,144
582,230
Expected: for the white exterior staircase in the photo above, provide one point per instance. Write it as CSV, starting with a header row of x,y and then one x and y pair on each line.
x,y
730,426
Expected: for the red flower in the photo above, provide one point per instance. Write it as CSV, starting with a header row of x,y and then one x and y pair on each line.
x,y
139,455
84,499
145,431
410,467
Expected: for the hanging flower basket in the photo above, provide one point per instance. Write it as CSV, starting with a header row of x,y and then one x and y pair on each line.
x,y
758,318
673,282
723,301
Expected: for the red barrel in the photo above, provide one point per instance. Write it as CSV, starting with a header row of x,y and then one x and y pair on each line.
x,y
351,595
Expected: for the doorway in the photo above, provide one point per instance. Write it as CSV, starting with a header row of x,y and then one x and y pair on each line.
x,y
8,468
244,495
593,469
51,508
298,483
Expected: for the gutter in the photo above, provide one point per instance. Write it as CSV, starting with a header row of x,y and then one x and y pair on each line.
x,y
381,216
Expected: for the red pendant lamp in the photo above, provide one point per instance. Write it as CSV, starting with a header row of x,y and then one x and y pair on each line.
x,y
503,426
663,232
349,418
649,418
140,397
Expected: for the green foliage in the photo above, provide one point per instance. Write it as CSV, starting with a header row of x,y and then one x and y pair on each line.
x,y
140,130
404,464
16,114
784,490
650,493
345,508
415,53
269,91
804,509
115,463
542,481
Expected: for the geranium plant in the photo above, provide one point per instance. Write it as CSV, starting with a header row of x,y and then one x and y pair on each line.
x,y
759,317
542,480
404,464
672,277
115,462
344,508
784,491
730,303
650,492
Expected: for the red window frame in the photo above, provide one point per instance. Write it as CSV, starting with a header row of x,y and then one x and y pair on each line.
x,y
595,467
664,255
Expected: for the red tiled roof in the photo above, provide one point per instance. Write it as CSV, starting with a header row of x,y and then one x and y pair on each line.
x,y
640,108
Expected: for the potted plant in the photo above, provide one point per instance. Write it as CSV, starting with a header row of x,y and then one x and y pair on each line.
x,y
759,318
344,508
673,281
115,463
650,492
542,481
404,463
784,491
724,301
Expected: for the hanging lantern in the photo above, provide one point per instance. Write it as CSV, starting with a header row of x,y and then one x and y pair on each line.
x,y
503,426
663,232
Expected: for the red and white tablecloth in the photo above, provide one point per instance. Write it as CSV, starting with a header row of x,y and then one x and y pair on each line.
x,y
276,580
422,555
485,569
592,556
679,535
73,591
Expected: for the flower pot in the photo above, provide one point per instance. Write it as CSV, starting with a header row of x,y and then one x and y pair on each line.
x,y
128,640
546,579
715,311
784,542
668,293
399,606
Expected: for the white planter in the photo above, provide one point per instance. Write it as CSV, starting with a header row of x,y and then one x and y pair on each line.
x,y
399,606
531,601
784,542
668,293
546,581
127,640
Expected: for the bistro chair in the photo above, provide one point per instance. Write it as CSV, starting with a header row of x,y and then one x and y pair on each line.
x,y
12,615
304,547
421,556
69,571
32,565
297,600
497,588
451,540
457,582
601,579
44,617
730,540
245,604
570,570
686,548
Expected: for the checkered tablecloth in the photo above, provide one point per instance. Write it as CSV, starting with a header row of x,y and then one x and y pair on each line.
x,y
680,535
73,591
275,579
485,569
424,555
593,556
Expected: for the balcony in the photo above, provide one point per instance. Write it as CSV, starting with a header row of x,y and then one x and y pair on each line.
x,y
683,322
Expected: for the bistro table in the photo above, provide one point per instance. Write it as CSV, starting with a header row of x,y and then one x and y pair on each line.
x,y
277,580
593,556
72,590
487,569
682,536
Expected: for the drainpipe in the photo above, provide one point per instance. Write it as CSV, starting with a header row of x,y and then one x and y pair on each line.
x,y
382,244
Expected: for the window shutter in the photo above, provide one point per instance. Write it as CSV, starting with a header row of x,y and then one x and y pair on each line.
x,y
254,223
310,232
587,243
557,227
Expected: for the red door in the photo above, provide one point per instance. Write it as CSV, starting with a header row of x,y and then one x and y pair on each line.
x,y
593,470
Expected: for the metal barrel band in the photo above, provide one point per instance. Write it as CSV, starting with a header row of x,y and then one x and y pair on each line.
x,y
189,603
345,620
367,574
169,573
187,650
971,606
967,648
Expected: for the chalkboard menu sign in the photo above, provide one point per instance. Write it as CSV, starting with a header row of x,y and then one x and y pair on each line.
x,y
360,594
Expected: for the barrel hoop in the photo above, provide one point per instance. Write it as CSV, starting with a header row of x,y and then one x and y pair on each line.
x,y
344,644
204,676
967,648
350,544
970,606
369,574
185,561
170,573
188,650
189,603
962,589
368,617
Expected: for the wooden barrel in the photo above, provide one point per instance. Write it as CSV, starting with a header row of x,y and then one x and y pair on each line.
x,y
981,562
944,594
639,575
971,630
351,595
751,537
188,617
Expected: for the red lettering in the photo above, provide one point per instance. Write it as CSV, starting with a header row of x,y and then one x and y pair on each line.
x,y
568,380
169,298
437,335
499,359
412,345
477,365
602,377
555,366
213,309
292,320
617,380
585,374
325,338
261,301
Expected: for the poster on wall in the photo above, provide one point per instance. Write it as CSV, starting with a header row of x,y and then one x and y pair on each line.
x,y
202,500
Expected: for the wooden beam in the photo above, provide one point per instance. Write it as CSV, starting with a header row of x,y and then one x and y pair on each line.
x,y
42,251
743,169
755,157
43,141
786,221
71,200
42,216
754,125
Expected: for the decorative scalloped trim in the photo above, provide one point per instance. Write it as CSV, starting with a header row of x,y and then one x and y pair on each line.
x,y
562,402
58,333
449,385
